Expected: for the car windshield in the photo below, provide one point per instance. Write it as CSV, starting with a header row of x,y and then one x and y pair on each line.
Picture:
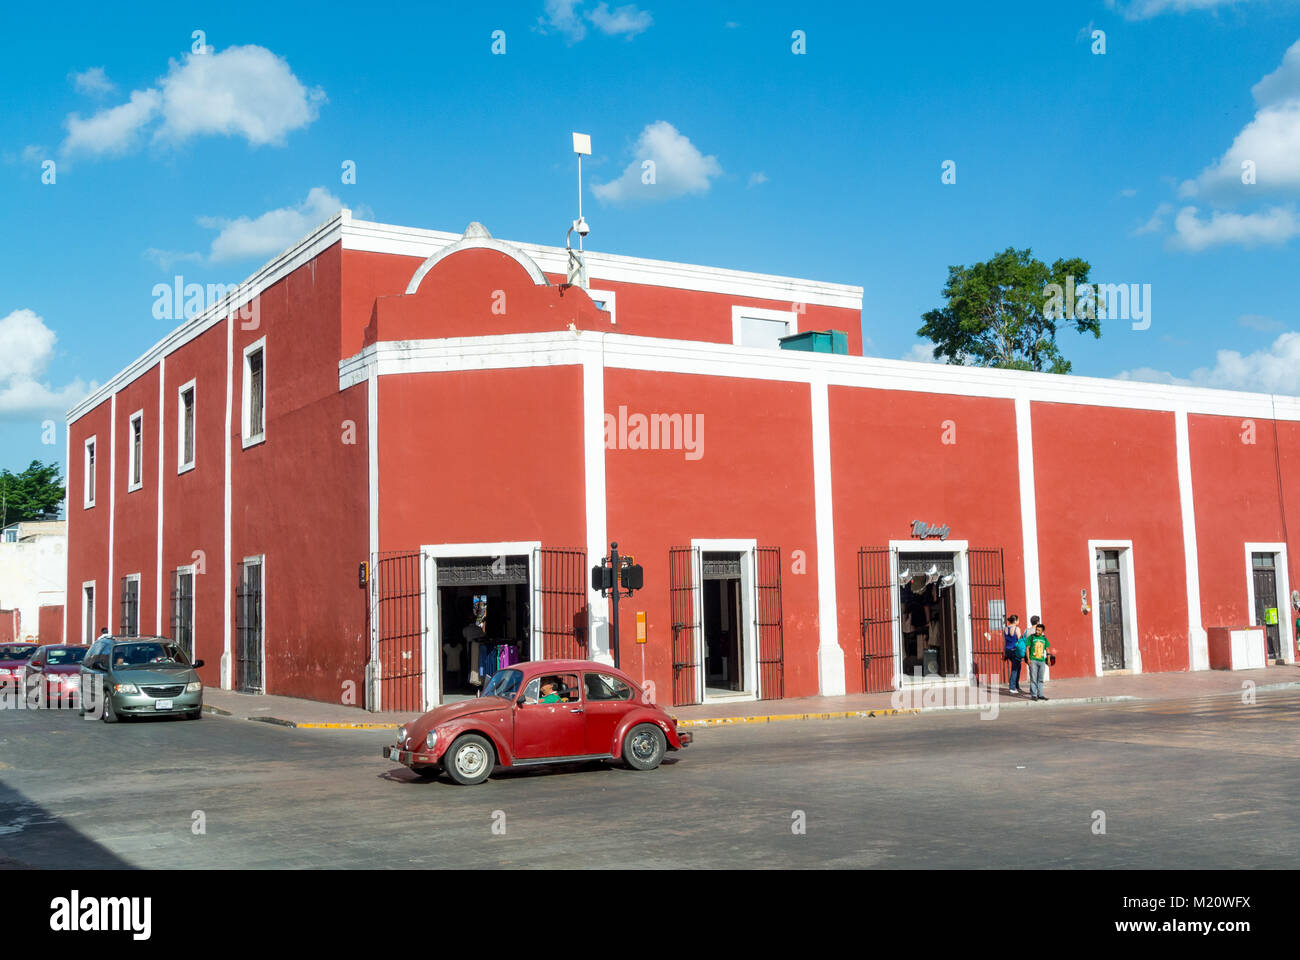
x,y
127,656
504,683
65,655
17,651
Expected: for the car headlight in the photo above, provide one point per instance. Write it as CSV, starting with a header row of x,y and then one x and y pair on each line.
x,y
125,688
401,737
431,739
194,687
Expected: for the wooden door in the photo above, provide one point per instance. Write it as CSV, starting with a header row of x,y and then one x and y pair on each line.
x,y
1110,611
1265,577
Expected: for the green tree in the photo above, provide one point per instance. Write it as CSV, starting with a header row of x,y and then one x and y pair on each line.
x,y
1004,312
30,495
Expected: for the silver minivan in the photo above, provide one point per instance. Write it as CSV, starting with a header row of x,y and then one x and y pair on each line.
x,y
128,677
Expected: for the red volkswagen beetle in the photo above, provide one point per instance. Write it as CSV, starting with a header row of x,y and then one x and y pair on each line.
x,y
547,711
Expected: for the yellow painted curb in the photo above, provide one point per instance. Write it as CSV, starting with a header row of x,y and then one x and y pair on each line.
x,y
779,717
346,726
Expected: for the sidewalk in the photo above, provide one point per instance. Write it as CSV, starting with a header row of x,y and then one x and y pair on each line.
x,y
310,714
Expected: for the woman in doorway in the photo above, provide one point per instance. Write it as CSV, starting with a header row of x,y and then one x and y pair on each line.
x,y
1014,649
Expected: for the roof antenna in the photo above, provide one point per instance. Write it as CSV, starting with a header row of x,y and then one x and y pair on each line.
x,y
577,265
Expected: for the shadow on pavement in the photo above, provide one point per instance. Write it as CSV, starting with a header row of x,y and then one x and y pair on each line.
x,y
33,838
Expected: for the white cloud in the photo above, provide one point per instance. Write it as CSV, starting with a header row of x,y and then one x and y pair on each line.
x,y
1275,225
93,82
1265,371
921,353
114,130
1157,222
1255,321
678,169
1145,9
1128,192
271,232
243,91
756,178
169,258
27,345
1270,142
562,15
626,20
567,17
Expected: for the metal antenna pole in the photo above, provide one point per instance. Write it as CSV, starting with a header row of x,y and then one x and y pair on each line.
x,y
579,200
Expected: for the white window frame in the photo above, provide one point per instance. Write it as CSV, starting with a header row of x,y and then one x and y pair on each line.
x,y
960,549
1128,601
1282,577
432,614
192,570
260,560
138,611
610,299
738,315
181,465
88,611
250,440
748,550
134,483
88,484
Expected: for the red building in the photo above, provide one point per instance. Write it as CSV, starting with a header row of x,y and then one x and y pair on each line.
x,y
393,443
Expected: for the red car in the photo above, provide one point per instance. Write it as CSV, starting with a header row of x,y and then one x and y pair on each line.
x,y
13,661
548,711
58,668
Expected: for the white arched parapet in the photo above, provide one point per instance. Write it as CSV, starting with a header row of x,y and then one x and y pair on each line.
x,y
477,238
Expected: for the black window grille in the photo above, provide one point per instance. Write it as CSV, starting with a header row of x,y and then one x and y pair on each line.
x,y
255,393
129,626
183,610
249,629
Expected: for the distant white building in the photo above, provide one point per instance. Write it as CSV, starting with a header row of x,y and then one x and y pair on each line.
x,y
33,575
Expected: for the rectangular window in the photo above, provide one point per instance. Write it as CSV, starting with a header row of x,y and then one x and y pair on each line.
x,y
88,612
255,393
185,429
249,628
758,327
130,622
88,475
607,301
183,609
136,479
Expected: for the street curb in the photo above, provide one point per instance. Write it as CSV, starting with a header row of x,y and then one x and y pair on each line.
x,y
782,717
323,726
209,708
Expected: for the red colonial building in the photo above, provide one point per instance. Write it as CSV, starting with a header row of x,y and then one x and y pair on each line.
x,y
383,467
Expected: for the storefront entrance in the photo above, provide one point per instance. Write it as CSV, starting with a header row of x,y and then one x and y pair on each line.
x,y
1266,607
928,616
724,666
484,620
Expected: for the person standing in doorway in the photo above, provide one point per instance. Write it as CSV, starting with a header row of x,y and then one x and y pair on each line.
x,y
1014,650
1036,648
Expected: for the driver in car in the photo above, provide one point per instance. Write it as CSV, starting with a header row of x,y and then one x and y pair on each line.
x,y
550,691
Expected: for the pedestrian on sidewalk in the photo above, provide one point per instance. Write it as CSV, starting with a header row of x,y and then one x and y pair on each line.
x,y
1036,653
1014,650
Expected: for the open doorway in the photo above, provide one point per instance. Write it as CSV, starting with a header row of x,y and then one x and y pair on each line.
x,y
724,642
484,620
927,604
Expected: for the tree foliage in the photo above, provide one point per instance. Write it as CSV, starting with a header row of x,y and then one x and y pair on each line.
x,y
31,495
1004,313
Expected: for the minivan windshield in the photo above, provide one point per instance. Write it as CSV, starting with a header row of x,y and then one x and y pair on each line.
x,y
128,656
504,683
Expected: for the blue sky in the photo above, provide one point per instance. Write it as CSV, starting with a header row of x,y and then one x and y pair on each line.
x,y
825,164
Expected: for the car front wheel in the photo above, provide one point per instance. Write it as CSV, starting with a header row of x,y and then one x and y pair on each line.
x,y
107,713
470,760
644,747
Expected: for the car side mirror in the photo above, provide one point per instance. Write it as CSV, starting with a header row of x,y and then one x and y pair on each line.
x,y
196,664
521,701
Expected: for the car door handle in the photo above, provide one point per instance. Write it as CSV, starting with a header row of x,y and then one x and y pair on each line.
x,y
580,710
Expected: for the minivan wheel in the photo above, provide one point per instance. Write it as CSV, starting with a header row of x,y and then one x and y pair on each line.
x,y
470,760
644,747
108,714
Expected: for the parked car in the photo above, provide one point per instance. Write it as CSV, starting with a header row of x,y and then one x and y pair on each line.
x,y
56,669
13,661
544,712
125,677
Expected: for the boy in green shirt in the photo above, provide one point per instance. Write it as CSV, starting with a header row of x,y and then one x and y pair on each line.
x,y
1036,647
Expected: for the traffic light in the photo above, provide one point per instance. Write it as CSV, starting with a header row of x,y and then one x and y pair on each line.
x,y
602,578
632,577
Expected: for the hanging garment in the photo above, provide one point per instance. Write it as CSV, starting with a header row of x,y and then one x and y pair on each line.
x,y
475,677
452,650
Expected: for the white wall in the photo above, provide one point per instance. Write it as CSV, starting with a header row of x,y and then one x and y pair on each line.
x,y
32,575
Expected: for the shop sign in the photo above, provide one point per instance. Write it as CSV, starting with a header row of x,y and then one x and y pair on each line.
x,y
923,530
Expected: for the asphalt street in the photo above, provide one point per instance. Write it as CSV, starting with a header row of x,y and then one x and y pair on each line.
x,y
1208,783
